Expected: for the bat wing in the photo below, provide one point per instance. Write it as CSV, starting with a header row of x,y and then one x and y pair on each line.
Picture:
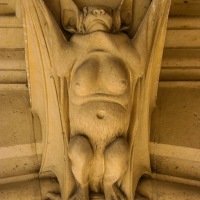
x,y
48,54
149,42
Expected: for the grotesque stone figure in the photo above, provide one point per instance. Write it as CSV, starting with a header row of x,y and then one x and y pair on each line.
x,y
98,88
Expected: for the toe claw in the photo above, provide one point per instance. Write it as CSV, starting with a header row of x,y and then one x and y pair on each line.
x,y
114,193
53,196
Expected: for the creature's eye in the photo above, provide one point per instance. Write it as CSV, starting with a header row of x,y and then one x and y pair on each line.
x,y
98,12
95,12
102,12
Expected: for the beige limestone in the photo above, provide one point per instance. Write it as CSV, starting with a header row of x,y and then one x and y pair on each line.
x,y
182,38
28,188
177,96
164,190
12,66
98,89
185,9
18,153
11,31
174,153
176,148
7,39
181,53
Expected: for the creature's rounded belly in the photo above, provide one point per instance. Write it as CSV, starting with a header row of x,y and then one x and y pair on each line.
x,y
101,122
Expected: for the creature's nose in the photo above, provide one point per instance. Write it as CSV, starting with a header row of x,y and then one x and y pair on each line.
x,y
98,12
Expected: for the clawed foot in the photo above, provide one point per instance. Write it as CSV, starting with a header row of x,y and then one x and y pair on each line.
x,y
80,194
114,193
52,196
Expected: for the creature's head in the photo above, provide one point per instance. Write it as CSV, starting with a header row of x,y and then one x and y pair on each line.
x,y
97,18
82,16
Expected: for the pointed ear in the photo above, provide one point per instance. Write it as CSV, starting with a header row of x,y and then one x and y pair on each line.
x,y
70,16
117,18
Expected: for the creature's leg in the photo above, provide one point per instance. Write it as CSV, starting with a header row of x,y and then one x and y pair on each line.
x,y
116,163
81,155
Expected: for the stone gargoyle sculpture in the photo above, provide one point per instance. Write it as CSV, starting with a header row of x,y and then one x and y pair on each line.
x,y
94,92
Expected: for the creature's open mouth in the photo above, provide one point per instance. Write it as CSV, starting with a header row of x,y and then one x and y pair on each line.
x,y
98,22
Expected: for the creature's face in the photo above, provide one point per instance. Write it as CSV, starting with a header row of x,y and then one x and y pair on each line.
x,y
98,18
100,95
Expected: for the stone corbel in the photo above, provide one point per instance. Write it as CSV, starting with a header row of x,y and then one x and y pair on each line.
x,y
94,93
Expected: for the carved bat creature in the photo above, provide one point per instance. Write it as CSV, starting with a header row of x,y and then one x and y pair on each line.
x,y
98,90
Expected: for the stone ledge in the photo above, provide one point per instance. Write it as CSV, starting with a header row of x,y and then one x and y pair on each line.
x,y
13,77
176,118
165,189
10,22
175,161
183,23
183,39
12,38
12,59
185,9
16,118
28,187
174,58
180,74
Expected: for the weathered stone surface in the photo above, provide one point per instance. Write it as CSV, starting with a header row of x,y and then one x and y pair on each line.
x,y
174,146
7,39
16,123
97,88
10,21
175,131
175,161
183,39
185,22
18,152
181,53
185,8
164,190
181,58
28,188
12,59
175,120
